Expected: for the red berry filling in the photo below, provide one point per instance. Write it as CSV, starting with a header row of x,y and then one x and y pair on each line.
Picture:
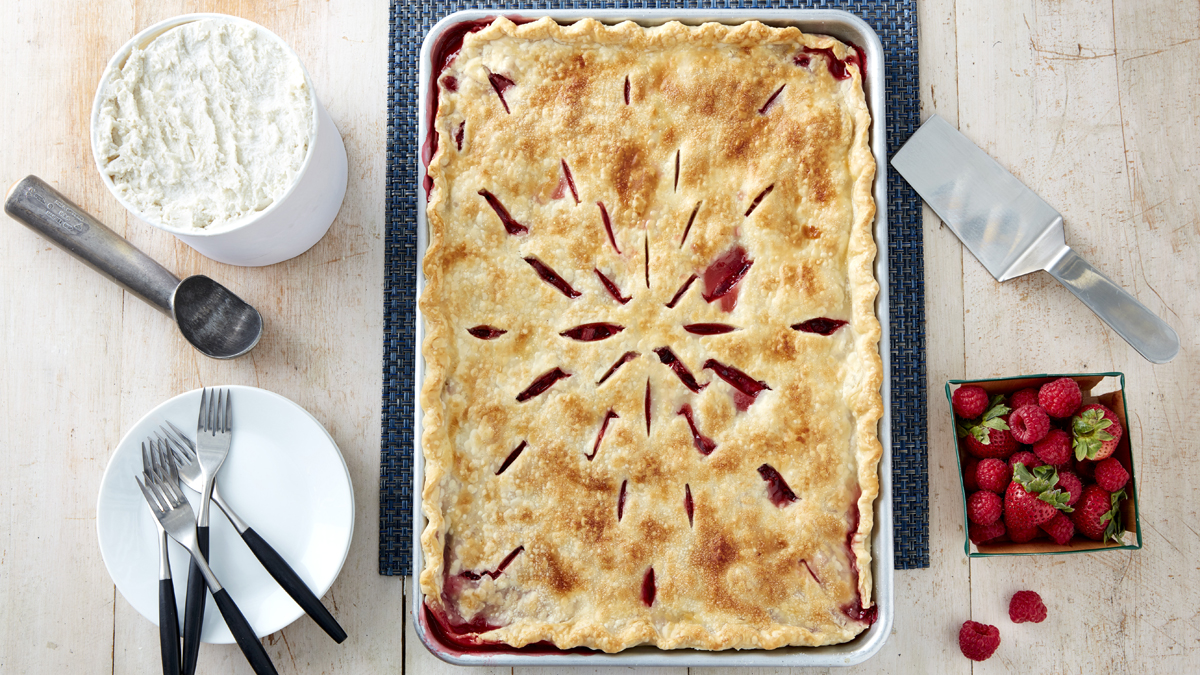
x,y
551,277
500,84
649,589
722,277
736,378
687,502
811,571
458,135
704,444
608,227
767,106
541,384
820,326
612,288
625,358
592,332
486,332
626,90
777,488
510,224
709,328
570,180
610,415
666,356
691,219
512,457
647,407
450,83
621,500
476,576
676,188
837,67
754,204
646,239
679,294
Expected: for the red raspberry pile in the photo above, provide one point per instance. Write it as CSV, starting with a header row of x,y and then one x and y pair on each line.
x,y
1039,464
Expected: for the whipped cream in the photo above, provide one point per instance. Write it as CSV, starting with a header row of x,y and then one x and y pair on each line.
x,y
209,123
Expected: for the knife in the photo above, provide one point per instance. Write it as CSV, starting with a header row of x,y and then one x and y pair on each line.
x,y
1013,232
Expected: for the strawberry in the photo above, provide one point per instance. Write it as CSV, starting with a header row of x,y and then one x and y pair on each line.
x,y
1110,475
984,508
982,533
1031,498
993,475
1029,424
1060,398
1023,398
1096,514
969,401
987,435
1096,432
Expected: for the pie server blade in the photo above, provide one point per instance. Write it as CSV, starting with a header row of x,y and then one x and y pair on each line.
x,y
1013,232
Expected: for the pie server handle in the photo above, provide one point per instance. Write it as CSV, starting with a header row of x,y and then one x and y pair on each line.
x,y
1152,337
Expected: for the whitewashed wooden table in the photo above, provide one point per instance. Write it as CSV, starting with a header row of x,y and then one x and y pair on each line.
x,y
1090,102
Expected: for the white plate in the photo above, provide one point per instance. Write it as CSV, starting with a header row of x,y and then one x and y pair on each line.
x,y
284,476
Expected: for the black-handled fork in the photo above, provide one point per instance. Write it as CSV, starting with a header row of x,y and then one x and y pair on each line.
x,y
168,619
170,508
185,459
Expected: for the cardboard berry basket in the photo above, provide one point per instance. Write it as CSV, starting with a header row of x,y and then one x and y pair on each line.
x,y
1107,389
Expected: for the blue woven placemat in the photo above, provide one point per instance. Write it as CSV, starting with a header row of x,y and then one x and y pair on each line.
x,y
896,24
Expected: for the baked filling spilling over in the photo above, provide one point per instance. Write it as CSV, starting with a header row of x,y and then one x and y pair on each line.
x,y
652,371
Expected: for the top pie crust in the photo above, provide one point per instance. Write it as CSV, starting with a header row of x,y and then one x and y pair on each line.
x,y
558,547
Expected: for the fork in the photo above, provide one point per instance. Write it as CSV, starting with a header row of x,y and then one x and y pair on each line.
x,y
189,472
168,620
213,436
172,510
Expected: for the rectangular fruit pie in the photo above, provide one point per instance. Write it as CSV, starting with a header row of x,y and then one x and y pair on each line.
x,y
653,378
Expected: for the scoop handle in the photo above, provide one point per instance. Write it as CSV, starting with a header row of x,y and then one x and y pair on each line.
x,y
46,211
1133,321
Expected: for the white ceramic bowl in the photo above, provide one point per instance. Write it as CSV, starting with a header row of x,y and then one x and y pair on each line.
x,y
295,221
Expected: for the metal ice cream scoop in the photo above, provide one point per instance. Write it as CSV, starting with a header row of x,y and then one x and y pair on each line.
x,y
216,322
1013,232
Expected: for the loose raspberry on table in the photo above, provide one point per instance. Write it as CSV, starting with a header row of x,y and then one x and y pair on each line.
x,y
1060,398
981,533
1029,424
984,507
1026,606
1023,398
1110,475
1055,448
969,401
978,641
993,475
1070,483
1060,528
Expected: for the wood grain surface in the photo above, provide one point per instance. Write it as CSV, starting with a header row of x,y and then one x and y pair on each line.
x,y
1091,102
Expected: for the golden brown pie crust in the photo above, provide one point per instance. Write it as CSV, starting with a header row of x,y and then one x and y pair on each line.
x,y
620,107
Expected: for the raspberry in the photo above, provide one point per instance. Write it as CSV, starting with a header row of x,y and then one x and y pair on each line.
x,y
984,507
1022,535
978,641
993,475
1025,457
1055,448
1071,484
1000,444
1023,398
1110,475
1029,424
982,533
969,401
970,475
1026,606
1060,528
1060,398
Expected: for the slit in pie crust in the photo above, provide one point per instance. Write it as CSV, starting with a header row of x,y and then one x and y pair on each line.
x,y
652,371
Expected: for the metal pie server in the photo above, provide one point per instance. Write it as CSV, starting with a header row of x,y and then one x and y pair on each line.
x,y
1013,232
